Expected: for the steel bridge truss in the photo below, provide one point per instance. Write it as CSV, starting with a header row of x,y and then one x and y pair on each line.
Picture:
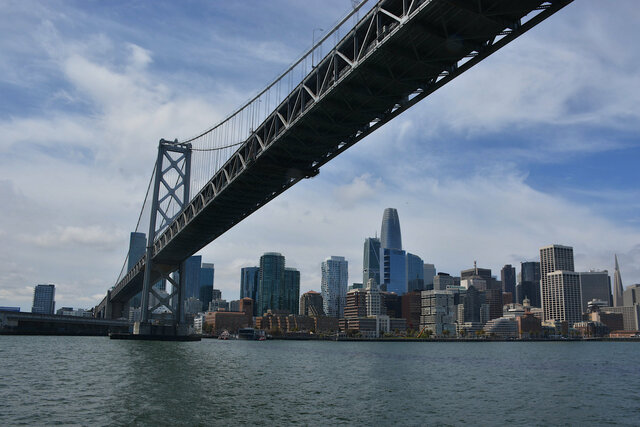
x,y
170,195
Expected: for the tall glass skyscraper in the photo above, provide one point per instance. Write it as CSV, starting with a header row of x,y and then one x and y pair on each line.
x,y
271,282
44,299
508,277
249,278
207,272
335,275
390,237
393,263
291,295
371,260
529,283
137,248
415,273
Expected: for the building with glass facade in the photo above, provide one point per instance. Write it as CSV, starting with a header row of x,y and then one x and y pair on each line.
x,y
271,282
390,236
291,293
529,283
595,285
335,276
415,273
371,260
44,299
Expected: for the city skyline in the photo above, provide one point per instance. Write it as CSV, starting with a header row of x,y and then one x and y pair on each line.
x,y
92,100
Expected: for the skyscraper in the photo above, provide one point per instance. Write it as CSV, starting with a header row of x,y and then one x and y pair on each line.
x,y
44,299
529,283
429,274
291,296
390,237
371,260
193,266
335,275
249,278
508,277
271,282
415,273
594,285
137,248
618,289
559,285
206,283
311,304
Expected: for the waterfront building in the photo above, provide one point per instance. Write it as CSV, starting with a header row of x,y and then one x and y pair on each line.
x,y
415,273
391,304
335,276
630,316
411,309
529,326
44,299
631,295
441,281
371,260
271,282
559,285
69,311
594,285
508,278
311,304
502,327
218,321
529,283
437,312
429,274
356,303
617,285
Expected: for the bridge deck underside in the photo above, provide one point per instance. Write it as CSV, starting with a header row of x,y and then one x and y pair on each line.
x,y
433,41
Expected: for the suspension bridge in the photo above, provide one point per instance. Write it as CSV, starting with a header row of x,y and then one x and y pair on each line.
x,y
378,61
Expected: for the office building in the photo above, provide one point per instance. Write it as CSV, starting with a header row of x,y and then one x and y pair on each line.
x,y
508,278
373,299
415,273
291,295
311,304
631,295
559,285
437,312
390,236
411,309
207,272
137,248
441,281
44,299
271,282
630,315
502,327
618,289
356,304
371,260
335,276
429,274
594,285
249,279
529,283
484,273
391,304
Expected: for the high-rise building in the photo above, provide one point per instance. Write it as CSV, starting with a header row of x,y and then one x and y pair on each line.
x,y
390,236
411,308
44,299
356,304
291,296
373,299
618,289
311,304
437,312
529,283
508,277
371,260
393,264
271,282
559,285
207,272
249,279
192,269
631,295
137,248
335,276
429,274
485,273
594,285
415,273
441,281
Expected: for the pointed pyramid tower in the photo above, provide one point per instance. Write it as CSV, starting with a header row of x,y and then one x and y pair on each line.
x,y
617,285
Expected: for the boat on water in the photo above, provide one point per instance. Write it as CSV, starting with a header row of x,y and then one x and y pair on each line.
x,y
251,334
224,335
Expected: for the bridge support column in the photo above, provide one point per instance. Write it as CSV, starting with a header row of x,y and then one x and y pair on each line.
x,y
163,206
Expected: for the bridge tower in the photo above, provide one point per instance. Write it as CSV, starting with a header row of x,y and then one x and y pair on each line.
x,y
170,196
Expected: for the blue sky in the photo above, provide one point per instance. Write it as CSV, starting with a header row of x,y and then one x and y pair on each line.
x,y
538,144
